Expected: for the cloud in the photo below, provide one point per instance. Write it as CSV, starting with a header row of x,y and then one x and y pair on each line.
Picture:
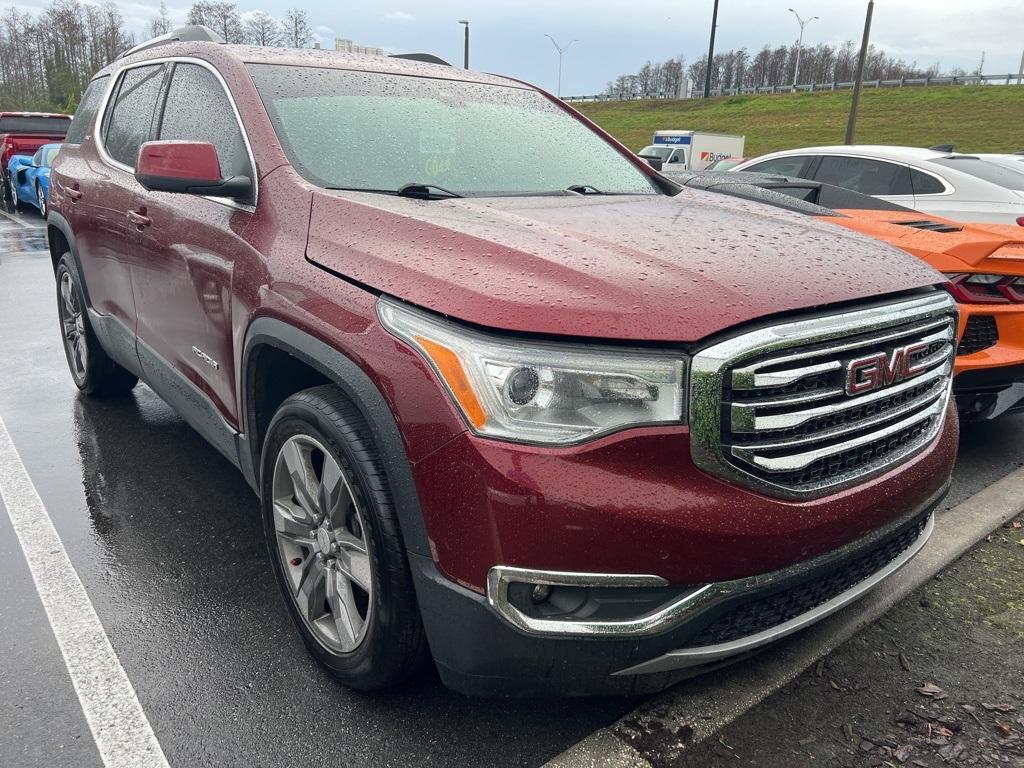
x,y
399,16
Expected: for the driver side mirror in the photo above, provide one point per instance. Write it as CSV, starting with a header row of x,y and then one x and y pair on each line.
x,y
187,167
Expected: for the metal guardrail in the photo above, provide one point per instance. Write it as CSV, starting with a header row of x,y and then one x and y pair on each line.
x,y
903,82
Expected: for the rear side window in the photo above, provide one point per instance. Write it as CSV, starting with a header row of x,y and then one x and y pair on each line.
x,y
1000,175
782,166
128,122
925,183
86,112
198,109
869,177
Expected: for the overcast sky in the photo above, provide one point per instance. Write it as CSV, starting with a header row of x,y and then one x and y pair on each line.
x,y
616,37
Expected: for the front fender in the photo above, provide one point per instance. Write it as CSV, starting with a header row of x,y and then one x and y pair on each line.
x,y
364,394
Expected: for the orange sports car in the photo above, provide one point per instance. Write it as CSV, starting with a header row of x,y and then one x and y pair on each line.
x,y
984,264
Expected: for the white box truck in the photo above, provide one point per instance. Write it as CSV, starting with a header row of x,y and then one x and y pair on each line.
x,y
691,150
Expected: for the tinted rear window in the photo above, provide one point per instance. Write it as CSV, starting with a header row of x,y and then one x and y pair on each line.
x,y
86,112
50,126
985,170
784,166
130,120
865,175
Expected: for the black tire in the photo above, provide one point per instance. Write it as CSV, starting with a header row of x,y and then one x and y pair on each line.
x,y
394,645
41,199
94,373
6,199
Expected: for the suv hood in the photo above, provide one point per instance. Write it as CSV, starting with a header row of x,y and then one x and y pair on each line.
x,y
644,267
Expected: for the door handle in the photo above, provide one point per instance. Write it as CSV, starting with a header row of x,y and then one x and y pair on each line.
x,y
74,194
139,218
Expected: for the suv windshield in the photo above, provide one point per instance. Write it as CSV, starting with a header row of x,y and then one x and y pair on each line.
x,y
344,129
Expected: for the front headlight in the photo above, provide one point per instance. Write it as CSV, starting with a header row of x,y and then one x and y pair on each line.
x,y
541,392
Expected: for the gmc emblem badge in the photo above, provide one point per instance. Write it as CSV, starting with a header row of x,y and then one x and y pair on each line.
x,y
866,374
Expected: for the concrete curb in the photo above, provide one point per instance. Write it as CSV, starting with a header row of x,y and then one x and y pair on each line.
x,y
695,710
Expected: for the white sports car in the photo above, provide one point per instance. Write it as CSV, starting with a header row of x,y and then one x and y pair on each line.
x,y
943,183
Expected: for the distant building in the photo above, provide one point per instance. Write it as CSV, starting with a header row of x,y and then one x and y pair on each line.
x,y
347,46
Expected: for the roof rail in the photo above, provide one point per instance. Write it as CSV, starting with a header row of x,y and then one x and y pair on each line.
x,y
942,148
190,33
426,58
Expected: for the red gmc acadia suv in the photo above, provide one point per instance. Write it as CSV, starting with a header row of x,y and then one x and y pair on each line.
x,y
509,398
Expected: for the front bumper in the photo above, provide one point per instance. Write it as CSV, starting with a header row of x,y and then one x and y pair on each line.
x,y
480,651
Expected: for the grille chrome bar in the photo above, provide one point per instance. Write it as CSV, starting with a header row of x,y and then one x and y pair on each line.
x,y
745,418
791,462
746,378
778,409
782,378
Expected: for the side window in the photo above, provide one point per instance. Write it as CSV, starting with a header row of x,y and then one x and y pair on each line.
x,y
869,177
925,183
37,158
87,109
128,122
783,166
197,109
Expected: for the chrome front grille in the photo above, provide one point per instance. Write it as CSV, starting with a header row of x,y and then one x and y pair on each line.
x,y
810,406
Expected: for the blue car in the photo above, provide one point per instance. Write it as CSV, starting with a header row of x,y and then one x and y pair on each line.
x,y
30,177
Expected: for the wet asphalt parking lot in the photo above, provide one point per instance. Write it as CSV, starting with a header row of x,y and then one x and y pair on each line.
x,y
165,537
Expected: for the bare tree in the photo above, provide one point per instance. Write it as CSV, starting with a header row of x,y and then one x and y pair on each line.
x,y
161,23
770,67
222,17
47,60
297,31
262,29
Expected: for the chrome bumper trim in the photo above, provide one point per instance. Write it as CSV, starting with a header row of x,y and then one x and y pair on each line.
x,y
692,657
702,597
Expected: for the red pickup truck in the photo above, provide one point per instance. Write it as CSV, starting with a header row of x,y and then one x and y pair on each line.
x,y
22,133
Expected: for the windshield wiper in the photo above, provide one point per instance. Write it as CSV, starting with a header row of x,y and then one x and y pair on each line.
x,y
422,191
584,189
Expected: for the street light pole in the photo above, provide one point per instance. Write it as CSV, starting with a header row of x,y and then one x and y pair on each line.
x,y
711,53
800,43
561,52
465,23
859,80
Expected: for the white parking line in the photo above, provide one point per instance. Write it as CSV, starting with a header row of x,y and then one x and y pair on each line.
x,y
119,726
17,221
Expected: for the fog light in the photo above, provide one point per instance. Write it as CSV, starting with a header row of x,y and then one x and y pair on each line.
x,y
541,593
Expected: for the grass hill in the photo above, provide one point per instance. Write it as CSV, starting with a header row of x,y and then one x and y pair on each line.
x,y
974,118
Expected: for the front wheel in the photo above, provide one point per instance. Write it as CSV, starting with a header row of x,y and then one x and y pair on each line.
x,y
335,544
41,198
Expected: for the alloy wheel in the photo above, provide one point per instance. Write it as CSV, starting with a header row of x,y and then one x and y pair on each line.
x,y
73,325
322,544
42,200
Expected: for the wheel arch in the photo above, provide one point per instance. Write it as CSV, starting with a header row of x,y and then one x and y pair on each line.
x,y
272,345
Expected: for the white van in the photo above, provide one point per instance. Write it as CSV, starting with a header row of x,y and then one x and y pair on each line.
x,y
692,150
